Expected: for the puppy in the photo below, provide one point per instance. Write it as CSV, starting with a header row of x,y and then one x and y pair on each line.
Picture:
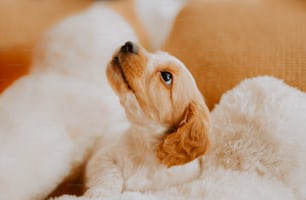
x,y
169,126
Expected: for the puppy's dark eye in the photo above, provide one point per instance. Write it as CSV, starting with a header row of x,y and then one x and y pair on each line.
x,y
167,77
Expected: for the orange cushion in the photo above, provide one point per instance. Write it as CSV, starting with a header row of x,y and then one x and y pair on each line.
x,y
223,42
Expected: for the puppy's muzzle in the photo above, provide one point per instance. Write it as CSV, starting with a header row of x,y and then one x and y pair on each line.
x,y
129,47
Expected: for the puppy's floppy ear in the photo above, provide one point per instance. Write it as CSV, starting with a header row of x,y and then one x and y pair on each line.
x,y
189,141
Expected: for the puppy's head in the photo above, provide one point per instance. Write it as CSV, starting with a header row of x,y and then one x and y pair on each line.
x,y
157,90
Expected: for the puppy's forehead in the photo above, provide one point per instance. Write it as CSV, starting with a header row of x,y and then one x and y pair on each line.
x,y
163,60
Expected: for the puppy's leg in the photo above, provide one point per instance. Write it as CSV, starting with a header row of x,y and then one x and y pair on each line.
x,y
103,176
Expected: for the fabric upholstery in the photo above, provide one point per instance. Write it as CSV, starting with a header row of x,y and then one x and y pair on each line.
x,y
223,42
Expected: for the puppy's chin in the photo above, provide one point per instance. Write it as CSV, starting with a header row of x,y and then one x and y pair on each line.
x,y
116,77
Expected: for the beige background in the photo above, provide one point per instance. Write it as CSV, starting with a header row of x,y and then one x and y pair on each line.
x,y
223,42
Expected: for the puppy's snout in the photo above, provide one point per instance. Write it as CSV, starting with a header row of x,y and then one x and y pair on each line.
x,y
129,47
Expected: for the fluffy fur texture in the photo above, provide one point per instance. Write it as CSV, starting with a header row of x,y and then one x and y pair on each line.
x,y
50,118
260,128
257,152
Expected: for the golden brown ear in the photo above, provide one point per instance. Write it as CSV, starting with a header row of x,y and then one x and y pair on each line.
x,y
189,141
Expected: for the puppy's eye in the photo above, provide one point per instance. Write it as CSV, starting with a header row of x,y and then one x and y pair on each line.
x,y
167,77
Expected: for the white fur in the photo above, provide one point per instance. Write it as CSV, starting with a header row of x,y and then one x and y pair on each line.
x,y
258,150
50,118
260,128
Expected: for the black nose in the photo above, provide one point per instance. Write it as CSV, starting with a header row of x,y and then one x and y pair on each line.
x,y
129,47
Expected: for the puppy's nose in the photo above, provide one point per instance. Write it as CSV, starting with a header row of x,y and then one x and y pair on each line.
x,y
129,47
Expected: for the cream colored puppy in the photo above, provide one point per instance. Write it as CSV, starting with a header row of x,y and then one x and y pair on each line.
x,y
51,118
169,126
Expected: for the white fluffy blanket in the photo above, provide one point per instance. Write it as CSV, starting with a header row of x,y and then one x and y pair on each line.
x,y
258,149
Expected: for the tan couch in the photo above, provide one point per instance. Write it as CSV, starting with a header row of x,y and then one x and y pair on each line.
x,y
223,42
